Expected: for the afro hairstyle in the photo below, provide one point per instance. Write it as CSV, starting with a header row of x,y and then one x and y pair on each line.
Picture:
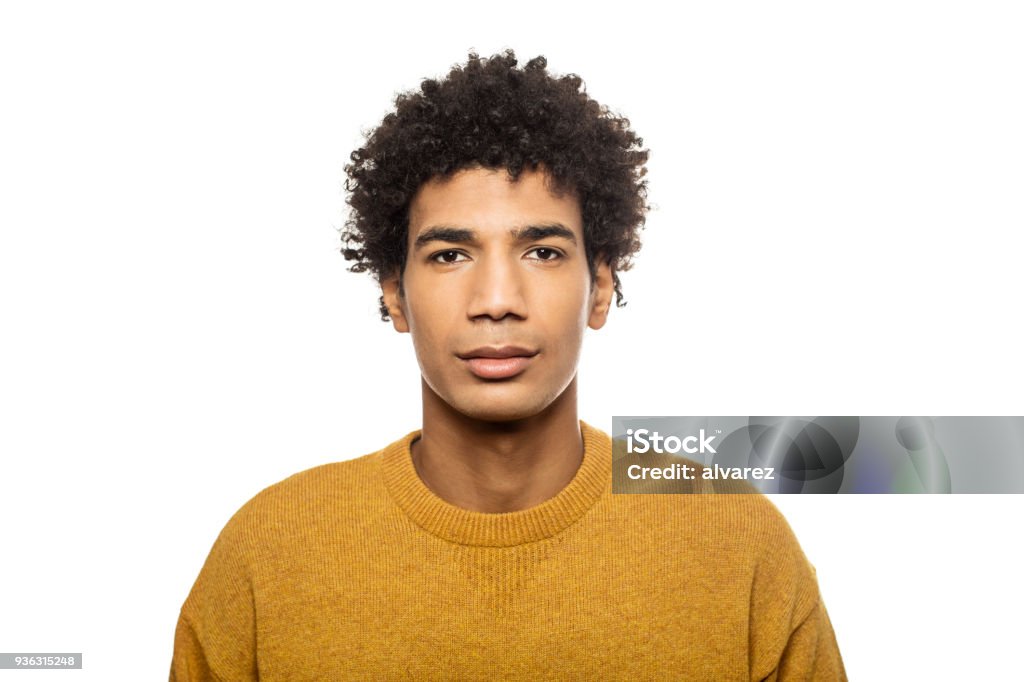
x,y
489,113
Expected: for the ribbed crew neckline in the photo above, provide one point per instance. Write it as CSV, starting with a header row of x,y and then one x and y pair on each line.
x,y
467,527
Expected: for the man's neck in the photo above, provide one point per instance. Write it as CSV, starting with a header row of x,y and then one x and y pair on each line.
x,y
498,466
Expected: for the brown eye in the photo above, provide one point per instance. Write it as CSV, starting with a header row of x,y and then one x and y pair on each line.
x,y
546,254
446,256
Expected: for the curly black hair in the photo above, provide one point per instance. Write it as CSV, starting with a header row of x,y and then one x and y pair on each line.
x,y
489,113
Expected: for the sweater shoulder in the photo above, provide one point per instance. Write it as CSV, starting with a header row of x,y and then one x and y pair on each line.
x,y
741,533
749,516
754,518
344,478
281,519
314,500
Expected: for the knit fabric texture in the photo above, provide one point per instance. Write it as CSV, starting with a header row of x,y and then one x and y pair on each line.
x,y
357,570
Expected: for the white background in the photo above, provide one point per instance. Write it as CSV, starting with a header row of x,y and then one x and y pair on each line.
x,y
836,230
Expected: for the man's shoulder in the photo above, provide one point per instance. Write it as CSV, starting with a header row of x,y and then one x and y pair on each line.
x,y
722,510
736,524
312,501
341,478
330,504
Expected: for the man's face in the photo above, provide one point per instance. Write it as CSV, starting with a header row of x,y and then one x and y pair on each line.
x,y
497,292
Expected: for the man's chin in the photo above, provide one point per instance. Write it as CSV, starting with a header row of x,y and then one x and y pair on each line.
x,y
500,411
500,414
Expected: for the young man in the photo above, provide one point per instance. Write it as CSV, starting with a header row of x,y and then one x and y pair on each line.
x,y
495,209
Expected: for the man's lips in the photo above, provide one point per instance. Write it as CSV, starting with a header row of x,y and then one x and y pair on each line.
x,y
491,362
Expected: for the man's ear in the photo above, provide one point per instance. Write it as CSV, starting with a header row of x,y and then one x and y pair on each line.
x,y
391,289
601,294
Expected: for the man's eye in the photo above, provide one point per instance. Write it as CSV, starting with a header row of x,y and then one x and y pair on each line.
x,y
544,253
447,257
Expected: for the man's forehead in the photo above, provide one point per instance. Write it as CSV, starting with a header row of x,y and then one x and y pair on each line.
x,y
479,198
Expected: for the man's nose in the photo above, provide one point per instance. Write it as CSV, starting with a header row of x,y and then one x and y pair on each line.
x,y
497,290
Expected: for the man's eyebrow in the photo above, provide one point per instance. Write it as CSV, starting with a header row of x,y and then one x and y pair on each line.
x,y
461,235
532,233
443,233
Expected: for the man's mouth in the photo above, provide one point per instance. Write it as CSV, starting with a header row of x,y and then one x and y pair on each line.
x,y
498,362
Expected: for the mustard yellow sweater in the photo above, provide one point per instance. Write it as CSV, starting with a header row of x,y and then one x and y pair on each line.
x,y
356,570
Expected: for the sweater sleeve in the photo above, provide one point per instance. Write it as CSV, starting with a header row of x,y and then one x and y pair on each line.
x,y
189,662
215,638
791,635
812,652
